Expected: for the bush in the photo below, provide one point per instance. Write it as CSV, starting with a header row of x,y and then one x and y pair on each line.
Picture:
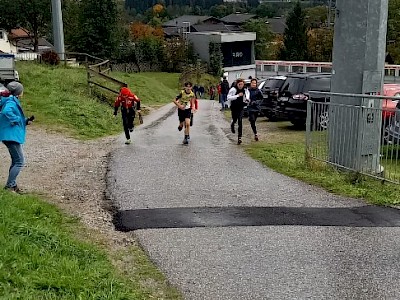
x,y
51,58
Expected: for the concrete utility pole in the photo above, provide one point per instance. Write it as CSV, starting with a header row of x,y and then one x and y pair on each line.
x,y
58,28
358,68
329,13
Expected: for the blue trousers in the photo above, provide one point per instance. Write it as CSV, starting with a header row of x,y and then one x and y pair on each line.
x,y
17,162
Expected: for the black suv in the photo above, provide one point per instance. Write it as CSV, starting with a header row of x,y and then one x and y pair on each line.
x,y
294,95
270,91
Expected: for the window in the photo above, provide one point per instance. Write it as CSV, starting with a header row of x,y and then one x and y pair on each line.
x,y
318,84
237,54
2,35
293,85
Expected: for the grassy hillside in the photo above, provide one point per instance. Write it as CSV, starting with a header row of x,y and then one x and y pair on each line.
x,y
59,98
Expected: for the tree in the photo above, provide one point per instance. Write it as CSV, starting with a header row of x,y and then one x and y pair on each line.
x,y
253,3
295,36
71,9
265,10
139,31
33,15
320,44
393,37
216,56
264,37
98,27
316,16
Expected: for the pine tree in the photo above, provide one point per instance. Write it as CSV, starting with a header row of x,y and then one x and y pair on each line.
x,y
295,36
98,24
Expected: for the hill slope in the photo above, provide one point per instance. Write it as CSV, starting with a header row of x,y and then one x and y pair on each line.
x,y
59,98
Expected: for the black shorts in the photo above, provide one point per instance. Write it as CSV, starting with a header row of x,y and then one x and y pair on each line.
x,y
184,114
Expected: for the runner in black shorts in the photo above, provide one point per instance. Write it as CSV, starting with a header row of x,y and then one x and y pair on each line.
x,y
185,101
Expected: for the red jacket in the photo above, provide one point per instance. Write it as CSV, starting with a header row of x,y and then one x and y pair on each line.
x,y
126,99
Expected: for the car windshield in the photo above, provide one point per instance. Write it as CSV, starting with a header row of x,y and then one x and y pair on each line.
x,y
272,84
318,84
293,85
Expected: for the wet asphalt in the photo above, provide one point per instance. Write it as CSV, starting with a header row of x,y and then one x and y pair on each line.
x,y
222,226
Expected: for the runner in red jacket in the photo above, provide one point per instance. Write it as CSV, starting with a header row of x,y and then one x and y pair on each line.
x,y
126,100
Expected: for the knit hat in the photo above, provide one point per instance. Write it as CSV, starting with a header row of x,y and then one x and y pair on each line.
x,y
126,92
15,88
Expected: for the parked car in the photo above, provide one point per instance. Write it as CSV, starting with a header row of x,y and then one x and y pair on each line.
x,y
389,105
391,114
270,90
294,94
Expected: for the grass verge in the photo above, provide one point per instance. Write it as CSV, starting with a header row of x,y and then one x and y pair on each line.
x,y
284,151
59,98
41,257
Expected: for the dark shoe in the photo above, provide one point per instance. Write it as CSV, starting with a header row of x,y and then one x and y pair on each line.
x,y
14,189
239,141
185,141
256,138
233,128
180,128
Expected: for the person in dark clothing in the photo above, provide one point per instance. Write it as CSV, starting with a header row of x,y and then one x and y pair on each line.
x,y
195,90
126,100
201,91
224,92
253,107
237,98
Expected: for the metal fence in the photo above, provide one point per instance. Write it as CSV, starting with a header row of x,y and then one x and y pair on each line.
x,y
364,138
27,56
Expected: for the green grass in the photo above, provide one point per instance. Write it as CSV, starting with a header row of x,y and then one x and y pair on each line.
x,y
59,98
41,257
154,89
284,151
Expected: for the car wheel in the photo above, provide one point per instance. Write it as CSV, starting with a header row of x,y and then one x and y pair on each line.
x,y
298,123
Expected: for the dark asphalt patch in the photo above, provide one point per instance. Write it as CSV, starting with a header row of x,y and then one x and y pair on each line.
x,y
189,217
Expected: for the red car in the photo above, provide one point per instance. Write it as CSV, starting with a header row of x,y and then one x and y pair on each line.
x,y
388,105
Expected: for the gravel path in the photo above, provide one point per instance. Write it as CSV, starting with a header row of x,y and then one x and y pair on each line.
x,y
70,174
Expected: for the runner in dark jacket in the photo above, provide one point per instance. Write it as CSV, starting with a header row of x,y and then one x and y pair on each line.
x,y
224,92
237,98
253,107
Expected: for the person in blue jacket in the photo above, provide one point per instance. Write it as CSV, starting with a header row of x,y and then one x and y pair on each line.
x,y
13,130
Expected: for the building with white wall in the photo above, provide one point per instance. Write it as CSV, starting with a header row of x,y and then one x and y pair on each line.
x,y
237,50
5,44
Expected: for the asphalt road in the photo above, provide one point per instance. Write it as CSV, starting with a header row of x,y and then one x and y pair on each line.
x,y
222,226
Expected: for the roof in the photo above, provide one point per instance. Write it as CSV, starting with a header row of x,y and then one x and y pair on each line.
x,y
211,27
277,25
18,33
27,44
171,31
192,19
237,18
